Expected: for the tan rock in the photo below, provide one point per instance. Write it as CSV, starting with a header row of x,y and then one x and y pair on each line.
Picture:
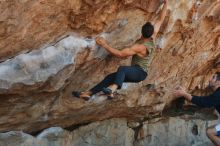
x,y
108,133
36,85
173,132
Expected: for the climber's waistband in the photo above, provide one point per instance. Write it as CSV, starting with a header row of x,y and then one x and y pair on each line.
x,y
140,67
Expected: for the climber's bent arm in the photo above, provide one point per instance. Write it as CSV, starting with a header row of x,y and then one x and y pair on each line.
x,y
126,52
158,22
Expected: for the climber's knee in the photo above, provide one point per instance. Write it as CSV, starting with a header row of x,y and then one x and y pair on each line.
x,y
122,68
110,76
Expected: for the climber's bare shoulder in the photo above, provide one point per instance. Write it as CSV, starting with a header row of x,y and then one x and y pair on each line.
x,y
132,50
140,49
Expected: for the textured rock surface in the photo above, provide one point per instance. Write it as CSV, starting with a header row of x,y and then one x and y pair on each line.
x,y
37,66
47,50
27,24
115,132
174,132
36,86
112,132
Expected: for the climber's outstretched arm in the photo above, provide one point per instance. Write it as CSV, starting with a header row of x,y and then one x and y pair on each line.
x,y
126,52
158,22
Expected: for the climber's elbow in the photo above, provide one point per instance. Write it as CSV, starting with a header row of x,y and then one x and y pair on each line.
x,y
127,52
121,55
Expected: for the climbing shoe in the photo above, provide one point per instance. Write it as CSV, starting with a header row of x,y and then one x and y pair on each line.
x,y
108,92
78,95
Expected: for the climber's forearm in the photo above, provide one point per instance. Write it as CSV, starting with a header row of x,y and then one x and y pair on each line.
x,y
126,52
158,22
112,50
163,12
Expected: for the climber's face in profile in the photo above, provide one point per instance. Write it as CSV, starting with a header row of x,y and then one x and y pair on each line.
x,y
214,82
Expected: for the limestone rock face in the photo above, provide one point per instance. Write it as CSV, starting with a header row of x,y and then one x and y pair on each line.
x,y
174,132
171,132
27,24
108,133
47,50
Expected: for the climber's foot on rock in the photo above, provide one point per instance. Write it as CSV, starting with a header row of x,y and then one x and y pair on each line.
x,y
109,93
82,95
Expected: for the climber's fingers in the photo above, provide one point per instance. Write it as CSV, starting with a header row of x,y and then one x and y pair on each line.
x,y
164,1
100,41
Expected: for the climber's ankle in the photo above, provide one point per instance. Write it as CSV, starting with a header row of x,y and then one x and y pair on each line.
x,y
113,87
87,93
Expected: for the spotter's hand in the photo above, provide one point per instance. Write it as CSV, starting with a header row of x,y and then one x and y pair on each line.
x,y
179,91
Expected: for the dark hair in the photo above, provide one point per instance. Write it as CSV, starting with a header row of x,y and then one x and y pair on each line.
x,y
147,30
218,75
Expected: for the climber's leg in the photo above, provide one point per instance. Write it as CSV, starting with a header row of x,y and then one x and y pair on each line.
x,y
213,133
131,74
108,80
114,81
104,83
